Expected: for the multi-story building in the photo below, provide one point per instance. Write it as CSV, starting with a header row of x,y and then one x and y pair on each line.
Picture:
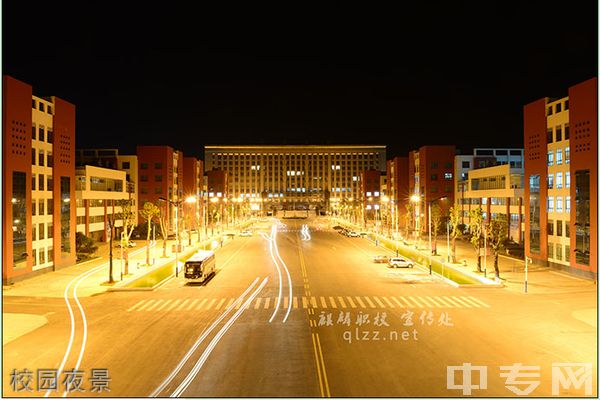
x,y
160,174
98,191
193,181
493,180
398,190
431,181
561,180
110,158
497,190
299,175
38,170
370,194
105,158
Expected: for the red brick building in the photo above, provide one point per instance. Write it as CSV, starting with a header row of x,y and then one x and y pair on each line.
x,y
370,190
160,174
398,189
561,180
193,181
431,179
38,190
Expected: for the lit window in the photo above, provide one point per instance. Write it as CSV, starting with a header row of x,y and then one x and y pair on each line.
x,y
567,155
368,206
376,193
559,204
368,194
567,179
559,180
550,204
559,158
550,158
550,181
568,204
448,175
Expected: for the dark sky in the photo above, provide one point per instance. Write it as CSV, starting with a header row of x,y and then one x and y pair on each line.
x,y
437,73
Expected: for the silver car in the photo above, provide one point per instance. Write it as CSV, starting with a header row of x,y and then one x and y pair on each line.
x,y
399,262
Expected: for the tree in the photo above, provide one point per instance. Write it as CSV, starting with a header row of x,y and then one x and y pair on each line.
x,y
128,218
148,212
455,224
496,232
84,246
162,222
436,221
476,227
111,233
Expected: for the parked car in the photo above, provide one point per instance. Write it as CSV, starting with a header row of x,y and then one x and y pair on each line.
x,y
380,258
353,234
337,227
399,262
246,233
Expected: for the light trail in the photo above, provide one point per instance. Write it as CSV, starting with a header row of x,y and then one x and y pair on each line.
x,y
79,278
288,276
203,336
271,241
196,369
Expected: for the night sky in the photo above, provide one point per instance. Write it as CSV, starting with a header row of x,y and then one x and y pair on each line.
x,y
446,73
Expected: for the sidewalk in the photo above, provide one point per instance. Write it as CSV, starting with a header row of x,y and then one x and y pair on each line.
x,y
540,280
54,284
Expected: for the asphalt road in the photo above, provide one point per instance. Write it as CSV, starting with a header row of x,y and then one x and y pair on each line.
x,y
354,329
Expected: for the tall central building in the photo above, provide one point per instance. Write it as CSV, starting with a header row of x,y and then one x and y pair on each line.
x,y
299,174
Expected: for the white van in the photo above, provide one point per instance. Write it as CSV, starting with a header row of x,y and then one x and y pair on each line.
x,y
200,266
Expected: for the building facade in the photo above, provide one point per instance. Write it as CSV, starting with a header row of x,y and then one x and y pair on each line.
x,y
193,182
305,176
561,180
431,181
493,180
98,191
38,170
160,174
398,192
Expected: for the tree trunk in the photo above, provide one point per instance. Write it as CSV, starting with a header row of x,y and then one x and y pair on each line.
x,y
434,246
164,248
496,264
148,245
454,250
126,261
479,262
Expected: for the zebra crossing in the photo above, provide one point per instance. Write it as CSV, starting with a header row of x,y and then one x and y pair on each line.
x,y
304,302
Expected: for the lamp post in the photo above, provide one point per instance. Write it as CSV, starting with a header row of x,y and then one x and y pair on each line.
x,y
430,248
385,200
416,199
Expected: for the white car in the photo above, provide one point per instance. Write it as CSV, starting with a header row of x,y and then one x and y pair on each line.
x,y
399,262
353,234
246,233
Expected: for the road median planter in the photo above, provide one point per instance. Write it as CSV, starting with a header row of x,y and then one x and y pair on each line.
x,y
158,275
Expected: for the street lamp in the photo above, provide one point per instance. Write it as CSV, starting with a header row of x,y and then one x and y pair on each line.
x,y
416,199
385,200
